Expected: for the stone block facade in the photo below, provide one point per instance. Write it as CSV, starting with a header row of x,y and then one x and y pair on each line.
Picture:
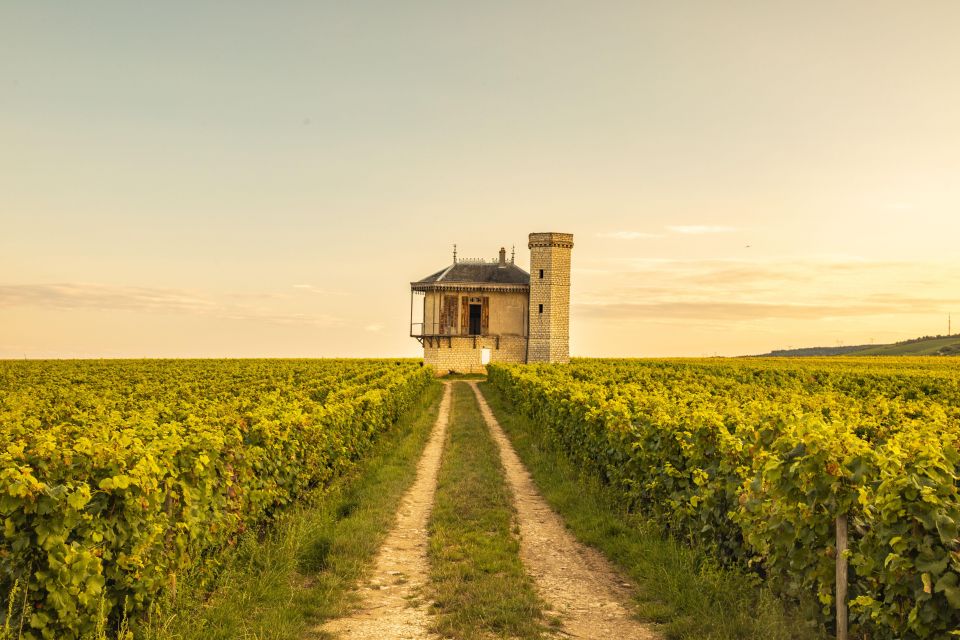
x,y
550,297
462,354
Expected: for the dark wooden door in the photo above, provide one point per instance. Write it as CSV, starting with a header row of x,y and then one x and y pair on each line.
x,y
476,314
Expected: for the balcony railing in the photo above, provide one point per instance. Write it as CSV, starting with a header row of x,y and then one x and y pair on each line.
x,y
433,330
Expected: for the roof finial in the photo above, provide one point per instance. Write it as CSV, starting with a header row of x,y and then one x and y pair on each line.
x,y
513,253
454,254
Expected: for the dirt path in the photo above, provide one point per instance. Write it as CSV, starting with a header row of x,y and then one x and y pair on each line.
x,y
577,583
389,607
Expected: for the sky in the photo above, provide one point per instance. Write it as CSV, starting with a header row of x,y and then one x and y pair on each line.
x,y
256,179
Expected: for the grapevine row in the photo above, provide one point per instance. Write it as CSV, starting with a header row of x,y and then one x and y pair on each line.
x,y
759,458
115,477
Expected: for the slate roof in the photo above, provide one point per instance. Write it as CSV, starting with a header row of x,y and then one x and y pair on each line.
x,y
490,273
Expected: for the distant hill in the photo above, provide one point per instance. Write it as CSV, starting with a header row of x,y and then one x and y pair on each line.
x,y
925,346
815,351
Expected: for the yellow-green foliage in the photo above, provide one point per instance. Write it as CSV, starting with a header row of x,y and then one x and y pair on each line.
x,y
759,457
117,475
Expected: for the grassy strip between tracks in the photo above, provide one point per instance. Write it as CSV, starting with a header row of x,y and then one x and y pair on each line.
x,y
678,587
480,588
280,585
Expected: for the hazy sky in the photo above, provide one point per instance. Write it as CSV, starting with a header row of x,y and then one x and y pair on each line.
x,y
265,179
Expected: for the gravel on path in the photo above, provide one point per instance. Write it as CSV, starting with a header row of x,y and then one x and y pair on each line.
x,y
390,604
578,584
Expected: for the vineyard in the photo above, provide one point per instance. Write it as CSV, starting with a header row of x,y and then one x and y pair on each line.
x,y
116,476
761,458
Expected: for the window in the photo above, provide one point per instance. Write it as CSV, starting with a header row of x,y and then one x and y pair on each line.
x,y
541,274
541,308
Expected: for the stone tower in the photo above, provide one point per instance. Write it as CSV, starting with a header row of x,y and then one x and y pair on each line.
x,y
549,339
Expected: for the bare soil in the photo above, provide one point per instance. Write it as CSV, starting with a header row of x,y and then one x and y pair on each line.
x,y
578,584
390,605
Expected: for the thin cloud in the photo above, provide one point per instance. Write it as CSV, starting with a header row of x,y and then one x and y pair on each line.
x,y
70,296
698,229
95,296
590,271
713,310
687,230
739,271
318,290
629,235
738,290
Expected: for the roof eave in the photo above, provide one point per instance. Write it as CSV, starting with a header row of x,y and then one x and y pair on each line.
x,y
464,286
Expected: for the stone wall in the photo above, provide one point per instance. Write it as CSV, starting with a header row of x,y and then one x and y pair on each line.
x,y
462,354
550,327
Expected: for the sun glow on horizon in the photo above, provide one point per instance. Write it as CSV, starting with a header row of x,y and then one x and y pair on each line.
x,y
266,181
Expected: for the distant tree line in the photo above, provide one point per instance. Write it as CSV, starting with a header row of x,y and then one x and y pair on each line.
x,y
913,340
817,351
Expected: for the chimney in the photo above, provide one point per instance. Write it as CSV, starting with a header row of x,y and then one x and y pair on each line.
x,y
503,258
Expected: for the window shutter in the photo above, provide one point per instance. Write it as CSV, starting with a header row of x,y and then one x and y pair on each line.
x,y
448,315
485,316
443,316
465,315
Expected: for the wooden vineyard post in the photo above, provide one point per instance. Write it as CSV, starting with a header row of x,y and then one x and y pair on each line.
x,y
841,587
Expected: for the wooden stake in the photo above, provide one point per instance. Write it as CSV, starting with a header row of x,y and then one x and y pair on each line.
x,y
841,591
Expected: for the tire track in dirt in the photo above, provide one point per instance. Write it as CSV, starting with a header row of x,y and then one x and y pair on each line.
x,y
578,583
389,606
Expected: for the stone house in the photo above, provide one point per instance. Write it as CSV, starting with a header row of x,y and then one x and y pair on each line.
x,y
475,311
